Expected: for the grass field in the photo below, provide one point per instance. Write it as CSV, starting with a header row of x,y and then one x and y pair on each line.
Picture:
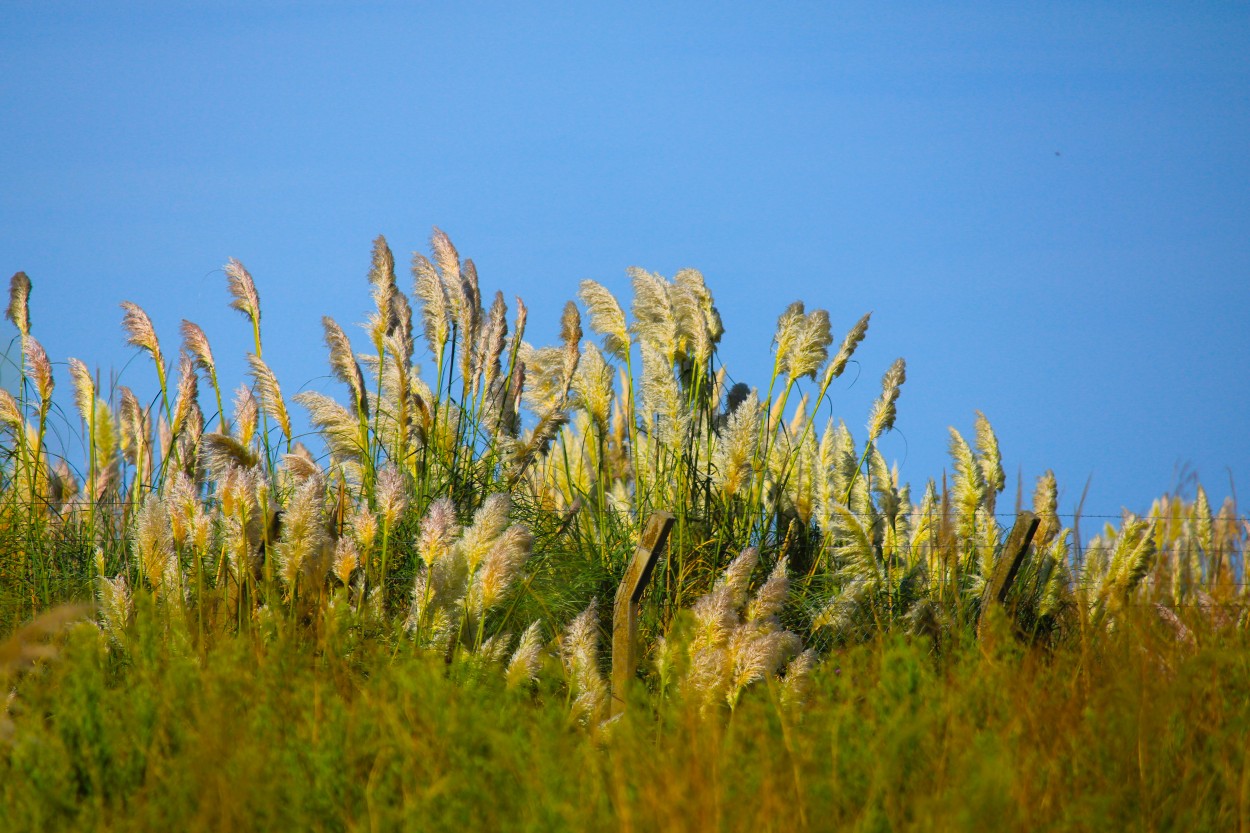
x,y
402,620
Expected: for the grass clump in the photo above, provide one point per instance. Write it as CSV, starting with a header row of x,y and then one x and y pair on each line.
x,y
395,619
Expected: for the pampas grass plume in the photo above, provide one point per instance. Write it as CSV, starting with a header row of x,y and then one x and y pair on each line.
x,y
346,560
246,413
392,497
40,369
243,291
84,389
883,410
435,304
18,310
188,390
735,453
849,344
344,364
526,660
196,343
270,393
771,597
606,318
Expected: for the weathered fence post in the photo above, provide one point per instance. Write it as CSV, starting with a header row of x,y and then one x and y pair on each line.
x,y
1008,563
625,610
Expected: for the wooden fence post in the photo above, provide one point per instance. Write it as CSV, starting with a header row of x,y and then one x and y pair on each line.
x,y
625,610
1008,564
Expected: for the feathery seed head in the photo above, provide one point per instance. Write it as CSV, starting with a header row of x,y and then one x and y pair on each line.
x,y
655,320
302,530
201,531
447,258
470,316
270,393
579,649
84,389
499,569
391,495
884,410
18,310
606,318
232,491
491,518
40,369
990,460
116,605
544,376
489,522
339,427
469,320
661,397
580,653
364,525
346,559
735,452
849,344
797,681
243,291
698,323
494,649
737,576
382,268
692,285
710,667
10,414
771,597
246,413
188,390
715,616
494,338
183,508
299,466
400,325
438,531
756,655
436,313
522,315
570,324
969,484
1046,507
140,332
135,431
344,364
593,386
219,453
571,334
195,342
526,660
1204,530
790,325
580,642
153,542
808,343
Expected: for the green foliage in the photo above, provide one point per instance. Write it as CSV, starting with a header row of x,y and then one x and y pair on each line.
x,y
1138,731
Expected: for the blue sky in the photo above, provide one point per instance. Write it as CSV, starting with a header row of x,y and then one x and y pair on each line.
x,y
1047,206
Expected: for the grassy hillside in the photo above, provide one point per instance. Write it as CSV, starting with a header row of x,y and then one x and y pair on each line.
x,y
402,620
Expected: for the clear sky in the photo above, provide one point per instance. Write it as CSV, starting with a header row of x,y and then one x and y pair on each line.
x,y
1047,206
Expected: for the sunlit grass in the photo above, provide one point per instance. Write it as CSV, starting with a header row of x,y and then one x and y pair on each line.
x,y
400,619
1139,732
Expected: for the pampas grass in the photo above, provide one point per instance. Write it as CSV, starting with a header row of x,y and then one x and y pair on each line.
x,y
813,629
559,427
